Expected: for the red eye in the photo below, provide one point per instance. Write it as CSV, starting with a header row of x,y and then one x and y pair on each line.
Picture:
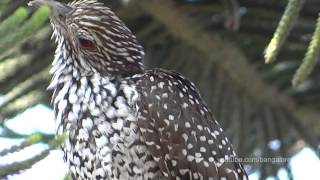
x,y
85,43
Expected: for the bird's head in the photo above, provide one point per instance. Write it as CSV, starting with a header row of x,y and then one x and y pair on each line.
x,y
93,38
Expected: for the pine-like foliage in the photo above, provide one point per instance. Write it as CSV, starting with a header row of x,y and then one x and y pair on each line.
x,y
14,30
220,45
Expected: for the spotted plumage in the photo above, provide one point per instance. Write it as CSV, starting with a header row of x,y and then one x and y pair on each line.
x,y
121,121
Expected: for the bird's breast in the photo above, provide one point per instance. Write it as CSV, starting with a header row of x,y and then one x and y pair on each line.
x,y
98,116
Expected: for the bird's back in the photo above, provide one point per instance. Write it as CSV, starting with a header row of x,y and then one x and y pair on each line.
x,y
180,131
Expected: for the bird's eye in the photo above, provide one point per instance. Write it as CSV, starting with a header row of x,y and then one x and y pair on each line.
x,y
85,43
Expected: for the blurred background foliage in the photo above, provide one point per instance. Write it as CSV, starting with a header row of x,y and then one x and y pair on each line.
x,y
220,45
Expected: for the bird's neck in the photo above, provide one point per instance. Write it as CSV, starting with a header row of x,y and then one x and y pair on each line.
x,y
66,65
96,112
73,86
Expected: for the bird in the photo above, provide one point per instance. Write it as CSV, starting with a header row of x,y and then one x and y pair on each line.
x,y
120,120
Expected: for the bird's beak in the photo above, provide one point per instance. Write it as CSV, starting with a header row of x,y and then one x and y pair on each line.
x,y
59,10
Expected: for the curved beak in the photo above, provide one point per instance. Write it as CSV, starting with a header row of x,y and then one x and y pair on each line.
x,y
59,10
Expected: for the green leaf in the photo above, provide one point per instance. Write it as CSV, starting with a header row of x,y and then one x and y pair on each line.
x,y
310,59
28,28
58,141
285,25
32,139
13,21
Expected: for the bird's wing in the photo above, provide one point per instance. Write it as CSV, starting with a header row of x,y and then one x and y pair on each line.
x,y
180,132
